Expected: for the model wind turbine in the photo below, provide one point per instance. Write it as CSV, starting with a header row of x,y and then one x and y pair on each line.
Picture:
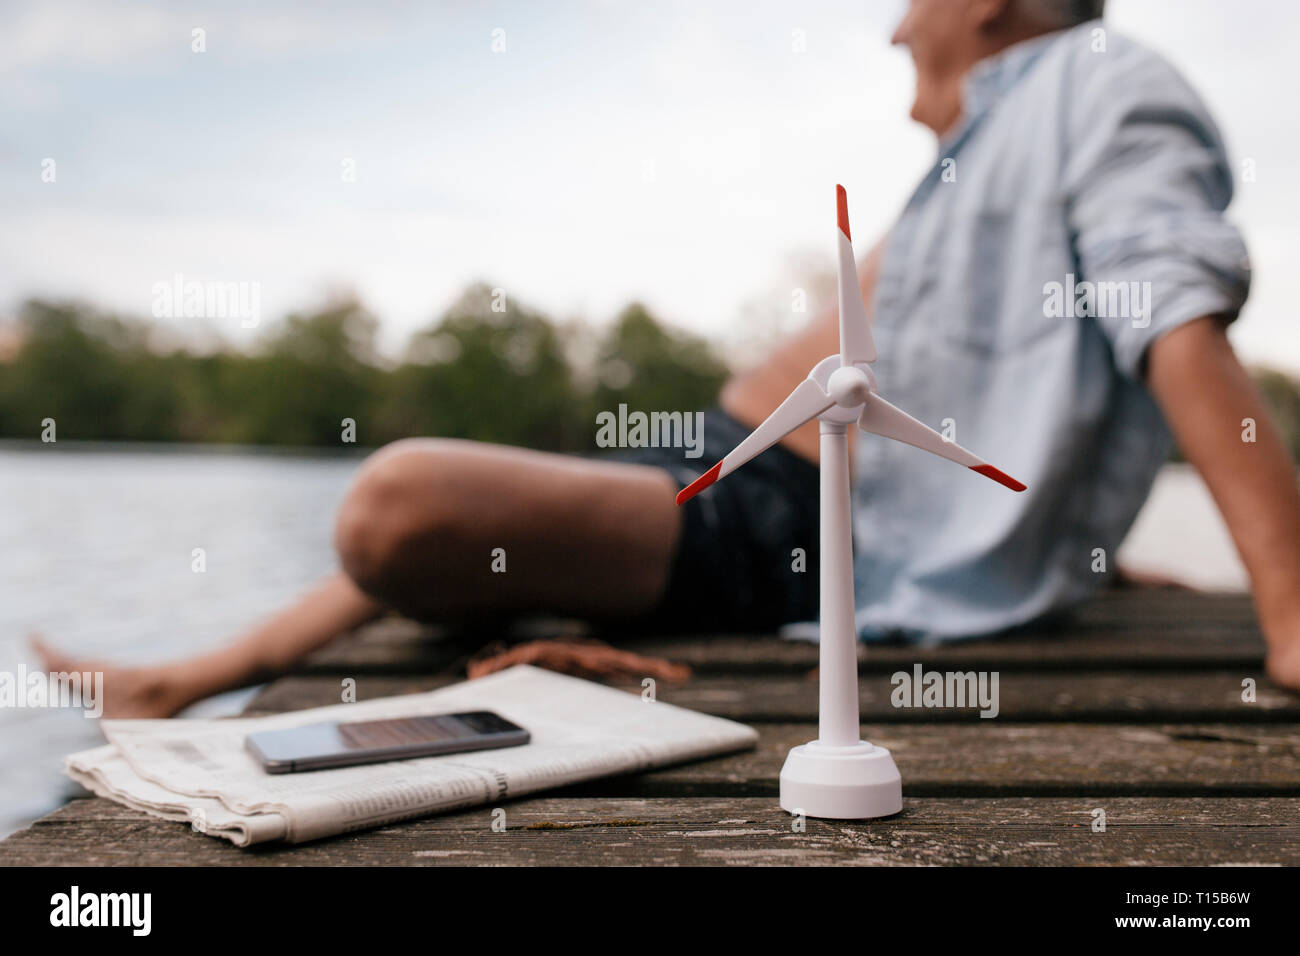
x,y
839,775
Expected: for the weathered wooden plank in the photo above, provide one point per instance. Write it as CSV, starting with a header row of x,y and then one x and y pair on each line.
x,y
1124,629
714,831
990,758
1163,607
1128,629
759,653
389,644
1021,696
1195,646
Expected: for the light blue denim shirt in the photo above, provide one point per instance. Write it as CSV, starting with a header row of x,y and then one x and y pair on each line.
x,y
1071,165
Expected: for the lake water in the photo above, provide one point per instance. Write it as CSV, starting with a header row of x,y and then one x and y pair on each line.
x,y
96,552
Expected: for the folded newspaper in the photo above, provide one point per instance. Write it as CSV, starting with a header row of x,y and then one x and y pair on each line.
x,y
197,771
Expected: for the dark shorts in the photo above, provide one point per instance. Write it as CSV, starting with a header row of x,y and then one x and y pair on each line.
x,y
738,565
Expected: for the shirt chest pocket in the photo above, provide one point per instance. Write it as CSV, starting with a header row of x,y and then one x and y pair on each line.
x,y
987,278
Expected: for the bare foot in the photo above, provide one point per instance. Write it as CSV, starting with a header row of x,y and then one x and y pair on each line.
x,y
128,691
1283,665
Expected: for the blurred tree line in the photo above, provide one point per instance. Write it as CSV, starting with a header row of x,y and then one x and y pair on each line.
x,y
511,376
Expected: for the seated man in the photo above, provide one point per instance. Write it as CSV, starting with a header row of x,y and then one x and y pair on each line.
x,y
1069,159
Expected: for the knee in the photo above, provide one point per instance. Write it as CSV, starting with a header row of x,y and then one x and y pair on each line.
x,y
402,504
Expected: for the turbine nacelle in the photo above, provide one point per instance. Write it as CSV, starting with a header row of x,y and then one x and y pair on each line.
x,y
850,385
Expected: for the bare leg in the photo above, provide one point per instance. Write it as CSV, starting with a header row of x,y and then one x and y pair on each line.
x,y
333,607
417,533
421,529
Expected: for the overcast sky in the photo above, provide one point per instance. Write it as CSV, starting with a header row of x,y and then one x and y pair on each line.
x,y
680,153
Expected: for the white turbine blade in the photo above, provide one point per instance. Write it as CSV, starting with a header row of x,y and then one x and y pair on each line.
x,y
881,418
801,406
856,342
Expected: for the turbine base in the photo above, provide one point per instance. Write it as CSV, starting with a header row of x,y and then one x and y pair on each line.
x,y
841,783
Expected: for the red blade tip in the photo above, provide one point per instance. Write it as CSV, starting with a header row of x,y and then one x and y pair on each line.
x,y
699,484
842,210
1001,477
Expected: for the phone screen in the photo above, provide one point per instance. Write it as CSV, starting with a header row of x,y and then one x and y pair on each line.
x,y
318,746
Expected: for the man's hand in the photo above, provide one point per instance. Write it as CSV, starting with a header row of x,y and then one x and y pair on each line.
x,y
1207,397
750,396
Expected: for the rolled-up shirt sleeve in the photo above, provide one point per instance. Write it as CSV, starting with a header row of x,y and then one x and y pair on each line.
x,y
1146,186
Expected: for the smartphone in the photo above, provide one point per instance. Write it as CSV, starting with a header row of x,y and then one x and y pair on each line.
x,y
320,746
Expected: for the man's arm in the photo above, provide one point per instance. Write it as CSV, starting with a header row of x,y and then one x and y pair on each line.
x,y
752,395
1205,395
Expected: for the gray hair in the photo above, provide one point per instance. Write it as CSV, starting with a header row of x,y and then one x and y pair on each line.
x,y
1063,13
